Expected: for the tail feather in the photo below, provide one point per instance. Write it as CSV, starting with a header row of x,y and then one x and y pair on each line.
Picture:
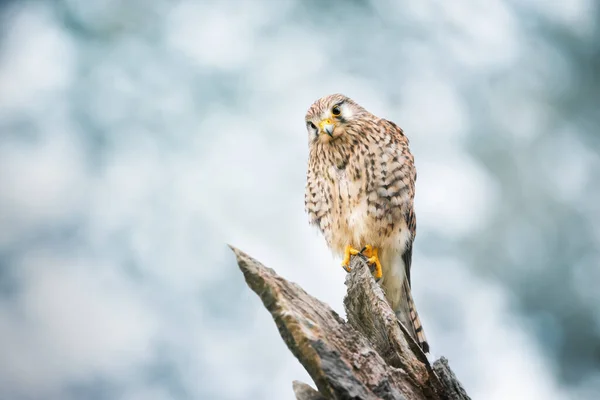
x,y
407,314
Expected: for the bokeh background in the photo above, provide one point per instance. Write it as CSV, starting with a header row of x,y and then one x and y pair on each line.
x,y
138,137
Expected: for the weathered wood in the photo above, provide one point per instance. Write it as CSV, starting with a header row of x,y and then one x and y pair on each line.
x,y
371,356
368,311
306,392
454,389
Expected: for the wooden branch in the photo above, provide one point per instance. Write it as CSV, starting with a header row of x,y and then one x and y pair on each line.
x,y
371,356
305,392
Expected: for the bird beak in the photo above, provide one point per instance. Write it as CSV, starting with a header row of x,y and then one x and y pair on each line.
x,y
327,126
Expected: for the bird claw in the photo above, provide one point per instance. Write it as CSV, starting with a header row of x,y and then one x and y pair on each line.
x,y
372,258
348,252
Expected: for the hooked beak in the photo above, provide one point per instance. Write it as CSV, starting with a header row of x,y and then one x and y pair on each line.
x,y
327,126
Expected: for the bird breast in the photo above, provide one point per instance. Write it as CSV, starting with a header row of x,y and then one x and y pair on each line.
x,y
350,219
366,204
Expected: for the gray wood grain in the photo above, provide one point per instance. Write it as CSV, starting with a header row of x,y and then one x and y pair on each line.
x,y
370,356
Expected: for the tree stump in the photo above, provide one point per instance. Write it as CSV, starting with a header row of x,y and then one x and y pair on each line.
x,y
370,356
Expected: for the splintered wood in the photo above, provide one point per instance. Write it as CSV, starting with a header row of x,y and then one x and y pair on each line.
x,y
370,356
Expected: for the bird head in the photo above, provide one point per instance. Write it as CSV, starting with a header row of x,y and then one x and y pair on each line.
x,y
328,118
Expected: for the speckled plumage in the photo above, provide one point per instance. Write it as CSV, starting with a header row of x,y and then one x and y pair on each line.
x,y
360,189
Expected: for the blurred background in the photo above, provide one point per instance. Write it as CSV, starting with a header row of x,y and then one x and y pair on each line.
x,y
138,137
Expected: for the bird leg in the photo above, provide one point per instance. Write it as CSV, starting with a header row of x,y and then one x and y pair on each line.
x,y
349,251
373,258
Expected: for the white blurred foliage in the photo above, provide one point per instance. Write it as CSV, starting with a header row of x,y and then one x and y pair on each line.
x,y
501,351
75,318
238,178
220,37
478,35
442,203
577,15
36,194
38,70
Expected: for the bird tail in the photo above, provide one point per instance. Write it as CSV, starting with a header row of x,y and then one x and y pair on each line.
x,y
407,314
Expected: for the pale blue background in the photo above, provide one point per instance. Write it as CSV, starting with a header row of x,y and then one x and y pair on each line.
x,y
138,137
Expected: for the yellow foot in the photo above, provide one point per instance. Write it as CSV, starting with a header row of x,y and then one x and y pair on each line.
x,y
372,258
349,251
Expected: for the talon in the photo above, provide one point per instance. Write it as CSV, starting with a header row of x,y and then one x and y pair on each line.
x,y
367,251
349,251
373,259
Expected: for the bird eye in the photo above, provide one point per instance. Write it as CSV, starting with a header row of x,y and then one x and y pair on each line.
x,y
336,110
313,126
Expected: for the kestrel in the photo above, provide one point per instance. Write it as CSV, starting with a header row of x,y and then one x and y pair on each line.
x,y
360,188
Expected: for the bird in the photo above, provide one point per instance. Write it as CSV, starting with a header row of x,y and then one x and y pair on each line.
x,y
360,188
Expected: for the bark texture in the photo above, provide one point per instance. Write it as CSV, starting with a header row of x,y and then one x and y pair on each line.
x,y
370,356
